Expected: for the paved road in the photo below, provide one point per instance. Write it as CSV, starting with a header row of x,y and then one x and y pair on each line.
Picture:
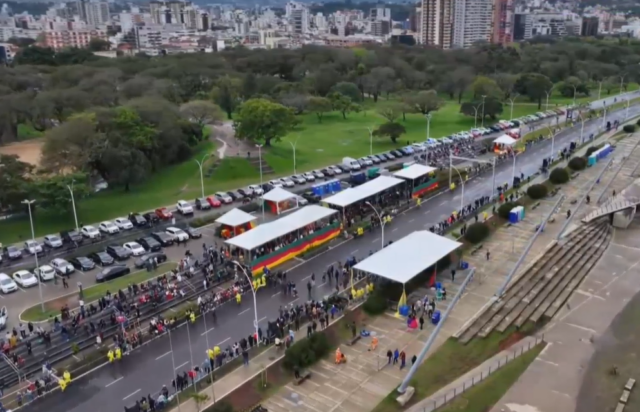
x,y
111,388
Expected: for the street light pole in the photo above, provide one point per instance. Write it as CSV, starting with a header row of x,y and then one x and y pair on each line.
x,y
626,114
381,221
546,107
428,115
581,127
462,184
483,97
370,129
553,141
35,255
475,116
293,145
200,165
255,303
173,364
259,146
575,91
622,81
73,204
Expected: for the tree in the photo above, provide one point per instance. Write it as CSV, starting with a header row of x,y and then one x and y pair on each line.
x,y
391,130
391,111
533,85
201,112
52,193
462,78
34,55
263,121
505,82
573,85
341,103
485,86
97,45
349,90
226,93
425,101
492,107
59,104
378,81
320,106
15,182
199,399
295,101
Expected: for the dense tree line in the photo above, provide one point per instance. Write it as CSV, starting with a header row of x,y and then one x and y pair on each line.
x,y
123,119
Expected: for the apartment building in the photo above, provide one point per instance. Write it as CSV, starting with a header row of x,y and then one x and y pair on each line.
x,y
80,38
472,22
437,23
503,21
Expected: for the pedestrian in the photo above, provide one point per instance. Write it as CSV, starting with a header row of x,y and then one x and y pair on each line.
x,y
245,357
414,358
389,356
403,360
65,284
453,275
396,355
422,321
488,255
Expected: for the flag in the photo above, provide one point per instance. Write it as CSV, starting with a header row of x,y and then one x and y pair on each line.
x,y
402,302
432,280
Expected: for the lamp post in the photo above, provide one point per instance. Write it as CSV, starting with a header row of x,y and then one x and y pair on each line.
x,y
581,127
475,116
462,184
622,82
35,255
575,91
293,145
553,141
599,89
483,97
380,219
200,165
604,117
255,303
370,129
259,146
428,116
548,93
626,113
73,203
512,100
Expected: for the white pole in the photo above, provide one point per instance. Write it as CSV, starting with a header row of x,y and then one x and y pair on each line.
x,y
189,340
483,97
511,114
380,219
493,180
553,142
428,125
581,129
200,165
575,91
450,165
626,114
513,175
259,146
173,364
293,145
35,255
475,117
462,193
370,129
604,117
73,204
599,89
206,339
255,302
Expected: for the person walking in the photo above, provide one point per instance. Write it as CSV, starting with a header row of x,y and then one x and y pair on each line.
x,y
403,360
488,255
396,355
389,356
422,321
453,275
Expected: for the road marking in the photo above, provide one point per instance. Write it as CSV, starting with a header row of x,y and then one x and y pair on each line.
x,y
354,252
162,356
220,343
375,240
181,365
130,395
109,384
411,220
393,230
299,259
22,289
260,320
306,277
275,294
206,331
244,311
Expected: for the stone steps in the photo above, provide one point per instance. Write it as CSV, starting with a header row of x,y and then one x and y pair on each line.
x,y
266,169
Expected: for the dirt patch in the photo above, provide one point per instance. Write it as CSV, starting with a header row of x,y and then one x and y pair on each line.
x,y
28,152
510,340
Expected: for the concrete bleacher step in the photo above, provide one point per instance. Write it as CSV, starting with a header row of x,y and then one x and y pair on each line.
x,y
475,327
538,275
551,275
574,265
566,292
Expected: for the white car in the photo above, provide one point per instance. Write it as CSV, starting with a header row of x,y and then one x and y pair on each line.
x,y
45,272
286,182
53,241
25,278
276,183
90,232
109,227
223,197
336,169
7,285
123,223
302,201
62,266
364,161
32,247
299,179
257,190
177,234
309,176
185,207
135,248
318,174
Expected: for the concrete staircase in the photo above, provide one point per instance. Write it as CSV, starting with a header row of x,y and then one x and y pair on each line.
x,y
266,169
540,291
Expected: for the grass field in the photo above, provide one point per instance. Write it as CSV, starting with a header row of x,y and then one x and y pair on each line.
x,y
27,132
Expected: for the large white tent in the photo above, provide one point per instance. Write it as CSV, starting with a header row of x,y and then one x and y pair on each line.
x,y
364,191
414,171
235,218
405,259
280,197
505,140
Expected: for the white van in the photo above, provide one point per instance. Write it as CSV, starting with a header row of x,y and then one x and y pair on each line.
x,y
351,163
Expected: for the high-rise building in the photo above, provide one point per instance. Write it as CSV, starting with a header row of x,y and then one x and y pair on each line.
x,y
503,21
437,23
97,13
590,26
522,26
380,13
298,18
472,22
380,28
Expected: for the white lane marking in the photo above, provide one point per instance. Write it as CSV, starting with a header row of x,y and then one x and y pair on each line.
x,y
162,356
275,294
181,365
130,395
393,230
260,320
206,331
411,220
375,240
354,252
220,343
244,311
109,384
306,277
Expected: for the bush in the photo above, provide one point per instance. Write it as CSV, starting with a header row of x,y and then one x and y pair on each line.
x,y
629,128
476,233
250,207
537,191
505,209
375,304
203,221
638,122
590,150
559,176
577,163
306,352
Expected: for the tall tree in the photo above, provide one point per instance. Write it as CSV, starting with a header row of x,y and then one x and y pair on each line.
x,y
226,93
15,181
320,106
52,194
391,130
263,121
201,112
425,101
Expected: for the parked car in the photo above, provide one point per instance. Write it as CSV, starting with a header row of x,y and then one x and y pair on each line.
x,y
108,227
365,162
224,198
25,278
177,234
193,233
62,266
257,190
142,260
275,183
44,273
7,285
286,182
123,223
232,195
72,237
83,263
53,241
213,201
149,244
184,207
111,273
302,201
163,238
151,218
328,171
118,252
90,232
298,179
202,204
135,248
246,192
236,195
12,253
101,258
374,159
32,247
311,197
138,220
309,176
163,213
336,169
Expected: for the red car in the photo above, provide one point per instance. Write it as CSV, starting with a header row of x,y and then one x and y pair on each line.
x,y
164,213
213,201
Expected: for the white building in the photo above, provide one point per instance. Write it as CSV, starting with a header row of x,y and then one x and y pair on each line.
x,y
97,13
472,22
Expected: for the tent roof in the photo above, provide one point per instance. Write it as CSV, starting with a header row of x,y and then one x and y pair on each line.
x,y
364,191
235,217
278,194
269,231
506,140
414,171
403,260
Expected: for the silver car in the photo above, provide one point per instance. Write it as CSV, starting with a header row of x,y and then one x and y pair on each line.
x,y
299,179
318,174
53,241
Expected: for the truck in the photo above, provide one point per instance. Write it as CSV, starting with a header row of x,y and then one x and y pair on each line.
x,y
356,179
351,163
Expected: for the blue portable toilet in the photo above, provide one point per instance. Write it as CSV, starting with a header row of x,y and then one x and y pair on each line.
x,y
435,318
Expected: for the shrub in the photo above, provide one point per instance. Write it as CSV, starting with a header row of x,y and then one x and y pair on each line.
x,y
629,128
537,191
476,232
577,163
590,150
505,209
638,122
559,176
203,221
306,352
375,304
250,207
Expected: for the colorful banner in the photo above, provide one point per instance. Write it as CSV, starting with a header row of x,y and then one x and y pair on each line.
x,y
296,248
424,188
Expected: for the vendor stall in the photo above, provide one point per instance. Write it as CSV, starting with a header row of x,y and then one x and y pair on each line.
x,y
235,222
279,200
504,144
423,179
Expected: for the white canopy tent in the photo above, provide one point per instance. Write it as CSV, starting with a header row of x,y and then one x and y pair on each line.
x,y
364,191
505,140
278,196
235,218
270,231
414,171
405,259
